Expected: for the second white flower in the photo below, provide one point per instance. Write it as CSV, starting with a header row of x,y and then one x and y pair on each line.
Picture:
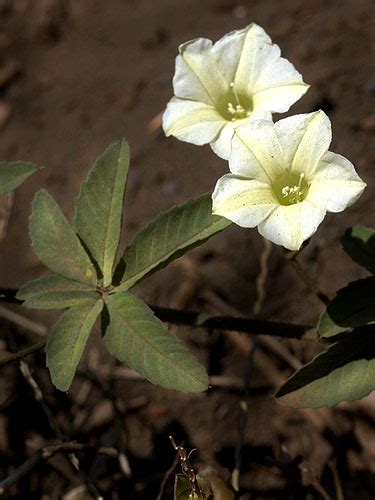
x,y
283,179
222,86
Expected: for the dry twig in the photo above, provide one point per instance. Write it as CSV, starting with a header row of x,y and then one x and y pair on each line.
x,y
46,453
25,370
242,419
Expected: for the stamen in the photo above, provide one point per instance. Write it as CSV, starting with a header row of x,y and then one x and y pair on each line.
x,y
291,188
235,93
235,106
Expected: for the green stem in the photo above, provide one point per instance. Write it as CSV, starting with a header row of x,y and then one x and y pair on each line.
x,y
15,356
188,318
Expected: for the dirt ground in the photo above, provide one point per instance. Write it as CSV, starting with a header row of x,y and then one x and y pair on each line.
x,y
76,75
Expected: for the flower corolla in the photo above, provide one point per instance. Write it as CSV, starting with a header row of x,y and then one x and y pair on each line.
x,y
226,85
283,179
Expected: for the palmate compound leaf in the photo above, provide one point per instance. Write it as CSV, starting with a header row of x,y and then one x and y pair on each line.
x,y
135,336
67,339
353,306
55,243
344,372
167,237
55,292
13,173
98,207
359,243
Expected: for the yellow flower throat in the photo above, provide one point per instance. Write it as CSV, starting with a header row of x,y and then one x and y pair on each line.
x,y
290,188
234,105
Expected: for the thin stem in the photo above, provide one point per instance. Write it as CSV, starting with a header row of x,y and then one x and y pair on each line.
x,y
167,475
38,395
15,356
192,318
244,406
262,277
337,481
242,419
188,318
292,259
231,323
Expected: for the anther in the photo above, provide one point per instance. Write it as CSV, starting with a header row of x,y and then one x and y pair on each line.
x,y
231,109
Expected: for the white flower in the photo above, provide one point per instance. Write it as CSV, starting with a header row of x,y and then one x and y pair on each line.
x,y
283,179
219,87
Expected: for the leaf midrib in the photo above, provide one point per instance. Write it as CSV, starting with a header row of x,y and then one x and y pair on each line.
x,y
107,273
140,273
154,348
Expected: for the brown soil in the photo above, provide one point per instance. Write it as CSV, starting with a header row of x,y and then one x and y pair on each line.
x,y
74,77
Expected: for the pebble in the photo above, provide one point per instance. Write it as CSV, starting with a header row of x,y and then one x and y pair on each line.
x,y
368,123
8,70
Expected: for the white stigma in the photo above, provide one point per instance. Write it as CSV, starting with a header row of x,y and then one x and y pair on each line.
x,y
294,193
235,94
236,110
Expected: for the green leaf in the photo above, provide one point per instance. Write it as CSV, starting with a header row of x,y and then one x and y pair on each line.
x,y
183,491
55,292
353,306
345,372
13,173
134,335
218,487
167,237
182,488
99,205
67,340
359,243
55,243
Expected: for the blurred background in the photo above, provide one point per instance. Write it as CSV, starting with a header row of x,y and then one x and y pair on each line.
x,y
74,77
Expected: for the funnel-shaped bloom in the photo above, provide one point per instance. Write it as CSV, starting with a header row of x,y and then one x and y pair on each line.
x,y
283,179
219,87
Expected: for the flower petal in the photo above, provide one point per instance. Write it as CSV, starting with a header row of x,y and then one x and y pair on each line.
x,y
197,76
305,140
192,121
291,225
261,141
242,54
335,184
243,163
278,86
243,201
222,145
279,99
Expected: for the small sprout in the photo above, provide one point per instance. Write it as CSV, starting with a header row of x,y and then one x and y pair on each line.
x,y
188,471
